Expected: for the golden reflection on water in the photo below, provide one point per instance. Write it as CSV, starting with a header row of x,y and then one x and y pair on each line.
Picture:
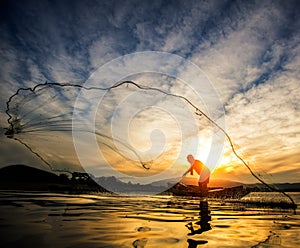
x,y
60,220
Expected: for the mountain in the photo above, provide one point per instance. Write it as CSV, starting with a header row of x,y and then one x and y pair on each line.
x,y
116,185
23,177
166,182
26,174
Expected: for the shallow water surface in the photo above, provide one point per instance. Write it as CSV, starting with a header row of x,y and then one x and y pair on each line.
x,y
31,219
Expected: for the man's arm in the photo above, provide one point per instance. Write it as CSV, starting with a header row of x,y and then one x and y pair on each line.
x,y
189,170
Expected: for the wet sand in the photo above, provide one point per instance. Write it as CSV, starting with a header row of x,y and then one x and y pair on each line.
x,y
29,219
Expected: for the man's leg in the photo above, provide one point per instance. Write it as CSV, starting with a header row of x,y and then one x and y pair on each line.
x,y
203,189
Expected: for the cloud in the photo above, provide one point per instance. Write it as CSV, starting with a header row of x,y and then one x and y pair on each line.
x,y
248,50
265,121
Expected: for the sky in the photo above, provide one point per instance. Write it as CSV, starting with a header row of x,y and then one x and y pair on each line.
x,y
249,51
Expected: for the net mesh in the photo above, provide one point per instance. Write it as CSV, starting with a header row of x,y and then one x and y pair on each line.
x,y
140,130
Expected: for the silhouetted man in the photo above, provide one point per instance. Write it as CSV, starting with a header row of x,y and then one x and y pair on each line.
x,y
202,171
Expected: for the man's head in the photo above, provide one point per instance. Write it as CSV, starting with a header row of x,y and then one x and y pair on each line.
x,y
190,158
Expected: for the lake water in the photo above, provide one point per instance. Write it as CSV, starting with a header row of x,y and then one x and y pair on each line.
x,y
29,219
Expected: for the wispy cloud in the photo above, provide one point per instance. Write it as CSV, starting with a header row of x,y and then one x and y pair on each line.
x,y
249,50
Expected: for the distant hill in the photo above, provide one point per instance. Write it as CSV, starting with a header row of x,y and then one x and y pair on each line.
x,y
23,177
116,185
166,182
23,173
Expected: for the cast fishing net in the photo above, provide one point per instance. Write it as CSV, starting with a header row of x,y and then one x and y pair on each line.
x,y
139,129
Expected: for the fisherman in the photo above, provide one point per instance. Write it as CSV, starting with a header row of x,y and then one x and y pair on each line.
x,y
202,171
